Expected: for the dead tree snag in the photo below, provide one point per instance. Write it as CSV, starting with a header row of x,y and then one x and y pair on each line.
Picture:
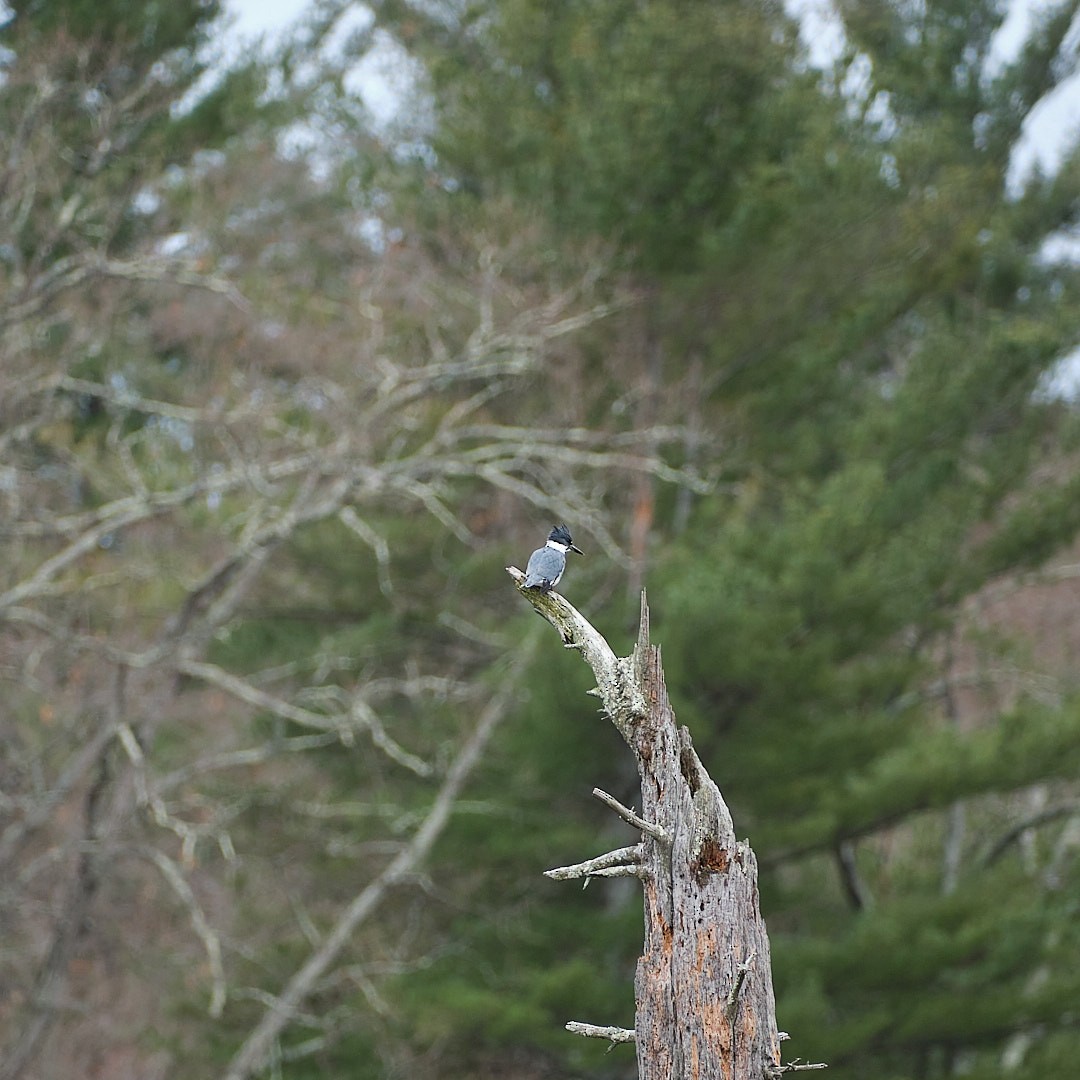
x,y
704,997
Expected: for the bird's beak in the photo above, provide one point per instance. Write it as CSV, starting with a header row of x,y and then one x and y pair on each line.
x,y
574,547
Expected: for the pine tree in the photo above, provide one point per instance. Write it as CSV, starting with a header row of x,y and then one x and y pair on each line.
x,y
861,307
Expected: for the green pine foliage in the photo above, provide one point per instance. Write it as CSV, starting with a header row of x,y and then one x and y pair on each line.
x,y
864,303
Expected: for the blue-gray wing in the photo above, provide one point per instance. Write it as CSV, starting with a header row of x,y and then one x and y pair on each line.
x,y
544,569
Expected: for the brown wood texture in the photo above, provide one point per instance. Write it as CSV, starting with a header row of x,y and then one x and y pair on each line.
x,y
705,1005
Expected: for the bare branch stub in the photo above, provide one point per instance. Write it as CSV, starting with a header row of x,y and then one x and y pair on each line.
x,y
623,862
704,995
594,1031
636,820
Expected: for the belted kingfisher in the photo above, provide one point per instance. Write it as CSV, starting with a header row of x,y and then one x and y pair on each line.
x,y
546,564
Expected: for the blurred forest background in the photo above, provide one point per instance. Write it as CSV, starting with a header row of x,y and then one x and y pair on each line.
x,y
283,389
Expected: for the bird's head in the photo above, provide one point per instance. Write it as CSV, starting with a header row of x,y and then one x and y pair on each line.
x,y
561,535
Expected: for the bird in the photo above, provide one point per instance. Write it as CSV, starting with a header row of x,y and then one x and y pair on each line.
x,y
546,564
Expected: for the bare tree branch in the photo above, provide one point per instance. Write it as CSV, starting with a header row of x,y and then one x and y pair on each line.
x,y
256,1047
1043,816
201,925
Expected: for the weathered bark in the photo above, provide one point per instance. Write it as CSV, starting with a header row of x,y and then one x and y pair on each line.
x,y
704,996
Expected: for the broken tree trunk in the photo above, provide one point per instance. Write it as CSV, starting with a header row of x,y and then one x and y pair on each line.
x,y
704,996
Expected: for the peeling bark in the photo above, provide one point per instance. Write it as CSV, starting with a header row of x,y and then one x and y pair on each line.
x,y
704,994
705,1008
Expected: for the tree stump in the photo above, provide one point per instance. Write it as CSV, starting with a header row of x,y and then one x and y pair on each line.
x,y
705,1008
